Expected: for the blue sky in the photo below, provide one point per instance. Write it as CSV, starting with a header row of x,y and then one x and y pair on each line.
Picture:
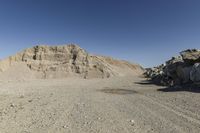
x,y
144,31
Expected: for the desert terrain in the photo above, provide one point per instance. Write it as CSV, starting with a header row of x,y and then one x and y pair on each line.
x,y
114,105
99,66
64,89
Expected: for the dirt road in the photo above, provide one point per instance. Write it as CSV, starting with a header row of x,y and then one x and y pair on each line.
x,y
116,105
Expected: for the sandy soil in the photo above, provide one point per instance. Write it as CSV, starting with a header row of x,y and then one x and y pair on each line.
x,y
116,105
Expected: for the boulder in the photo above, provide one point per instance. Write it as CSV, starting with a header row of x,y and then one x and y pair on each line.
x,y
174,60
191,56
172,65
195,73
183,74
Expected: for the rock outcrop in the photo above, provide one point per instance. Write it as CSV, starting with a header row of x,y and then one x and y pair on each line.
x,y
63,61
183,69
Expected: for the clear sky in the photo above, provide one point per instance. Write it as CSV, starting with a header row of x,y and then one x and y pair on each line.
x,y
144,31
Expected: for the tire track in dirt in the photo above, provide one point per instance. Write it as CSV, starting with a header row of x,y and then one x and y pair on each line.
x,y
156,106
147,119
187,113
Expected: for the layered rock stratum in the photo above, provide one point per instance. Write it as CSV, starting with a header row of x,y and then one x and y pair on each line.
x,y
45,62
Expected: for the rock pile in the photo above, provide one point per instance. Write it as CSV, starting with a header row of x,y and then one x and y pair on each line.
x,y
183,69
62,61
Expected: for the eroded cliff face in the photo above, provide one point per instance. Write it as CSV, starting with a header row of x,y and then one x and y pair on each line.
x,y
64,61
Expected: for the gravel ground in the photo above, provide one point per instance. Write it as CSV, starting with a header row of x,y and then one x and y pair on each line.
x,y
115,105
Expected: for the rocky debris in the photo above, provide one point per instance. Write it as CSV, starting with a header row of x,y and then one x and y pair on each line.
x,y
65,126
157,74
12,105
132,122
183,69
63,61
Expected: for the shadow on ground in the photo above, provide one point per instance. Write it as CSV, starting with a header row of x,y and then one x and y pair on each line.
x,y
195,88
189,88
118,91
145,82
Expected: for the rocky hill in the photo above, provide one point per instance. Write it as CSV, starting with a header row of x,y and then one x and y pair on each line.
x,y
183,69
63,61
